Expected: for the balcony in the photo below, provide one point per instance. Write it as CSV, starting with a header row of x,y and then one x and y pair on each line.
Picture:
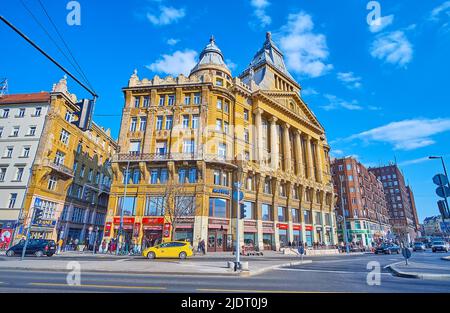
x,y
144,157
60,168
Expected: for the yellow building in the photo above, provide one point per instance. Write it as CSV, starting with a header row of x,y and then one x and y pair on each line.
x,y
71,174
192,137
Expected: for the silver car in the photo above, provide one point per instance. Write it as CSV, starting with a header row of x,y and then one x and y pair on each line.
x,y
440,246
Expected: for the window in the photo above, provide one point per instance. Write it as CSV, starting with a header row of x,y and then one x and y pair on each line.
x,y
146,102
187,99
37,112
282,214
83,168
350,177
52,183
349,167
318,218
161,148
249,210
2,174
218,207
159,123
19,174
266,211
171,100
219,125
69,117
182,175
226,107
133,124
12,200
59,158
185,123
15,131
64,137
32,131
164,175
127,206
21,113
197,98
135,147
143,124
246,115
194,121
136,176
154,206
188,146
192,175
169,120
307,217
249,183
219,82
162,101
222,151
219,104
154,174
224,179
226,127
246,136
1,132
295,215
267,186
5,113
8,152
185,205
216,177
137,102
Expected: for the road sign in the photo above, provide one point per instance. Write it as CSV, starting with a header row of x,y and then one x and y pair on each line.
x,y
237,185
238,196
37,202
406,253
440,180
301,250
440,191
340,218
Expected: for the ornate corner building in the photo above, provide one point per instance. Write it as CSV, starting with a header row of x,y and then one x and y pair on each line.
x,y
205,132
50,164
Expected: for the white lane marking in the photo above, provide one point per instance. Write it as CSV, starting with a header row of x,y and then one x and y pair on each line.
x,y
323,271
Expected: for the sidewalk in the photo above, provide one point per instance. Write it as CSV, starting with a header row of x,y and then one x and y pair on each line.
x,y
213,265
421,270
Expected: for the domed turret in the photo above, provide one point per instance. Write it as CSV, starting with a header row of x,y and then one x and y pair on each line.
x,y
211,58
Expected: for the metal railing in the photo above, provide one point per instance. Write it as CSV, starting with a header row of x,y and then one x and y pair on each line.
x,y
137,157
59,167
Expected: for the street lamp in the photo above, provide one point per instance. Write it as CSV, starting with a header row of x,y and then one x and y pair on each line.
x,y
344,221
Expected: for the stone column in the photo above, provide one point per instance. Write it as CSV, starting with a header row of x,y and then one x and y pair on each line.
x,y
309,158
259,135
286,148
274,142
298,154
319,164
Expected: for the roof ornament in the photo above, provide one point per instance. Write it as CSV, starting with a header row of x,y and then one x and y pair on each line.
x,y
212,39
269,36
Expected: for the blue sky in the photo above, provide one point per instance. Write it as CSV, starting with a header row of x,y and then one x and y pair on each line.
x,y
380,90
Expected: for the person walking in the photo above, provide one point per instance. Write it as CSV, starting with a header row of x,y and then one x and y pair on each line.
x,y
60,244
202,246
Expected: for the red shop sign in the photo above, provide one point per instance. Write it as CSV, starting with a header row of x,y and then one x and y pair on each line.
x,y
166,230
126,220
309,228
153,221
108,229
282,226
297,227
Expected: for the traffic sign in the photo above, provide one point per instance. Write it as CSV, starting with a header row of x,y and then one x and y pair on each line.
x,y
37,202
340,218
440,180
238,196
440,191
406,253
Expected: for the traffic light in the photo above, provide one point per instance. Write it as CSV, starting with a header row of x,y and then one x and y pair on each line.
x,y
243,212
38,214
443,209
84,121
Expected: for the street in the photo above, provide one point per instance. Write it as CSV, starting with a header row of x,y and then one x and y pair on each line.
x,y
324,274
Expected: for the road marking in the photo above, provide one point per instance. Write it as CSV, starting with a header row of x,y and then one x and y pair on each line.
x,y
261,291
323,271
97,286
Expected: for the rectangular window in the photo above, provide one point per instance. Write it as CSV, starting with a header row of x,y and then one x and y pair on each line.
x,y
249,210
161,148
226,127
128,206
171,100
12,200
133,124
162,101
187,99
159,123
2,174
15,131
192,175
146,102
143,124
137,102
19,174
224,179
21,113
318,218
246,136
5,113
222,151
37,112
295,216
64,137
246,115
307,217
266,211
185,123
217,178
188,146
59,158
8,152
69,117
169,120
136,176
282,215
52,183
218,207
195,121
154,174
219,104
182,175
197,98
135,147
226,107
219,125
154,206
164,176
1,132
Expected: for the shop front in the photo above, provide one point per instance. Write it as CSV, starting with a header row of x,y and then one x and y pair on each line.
x,y
218,240
297,235
319,234
152,231
309,235
250,234
268,236
184,230
283,235
45,229
328,235
127,231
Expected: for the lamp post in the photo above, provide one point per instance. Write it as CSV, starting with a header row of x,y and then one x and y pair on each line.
x,y
448,183
344,221
119,233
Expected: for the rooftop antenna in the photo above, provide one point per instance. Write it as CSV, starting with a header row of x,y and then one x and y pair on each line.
x,y
3,87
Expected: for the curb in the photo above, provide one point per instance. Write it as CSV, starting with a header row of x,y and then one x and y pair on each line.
x,y
415,275
446,258
262,270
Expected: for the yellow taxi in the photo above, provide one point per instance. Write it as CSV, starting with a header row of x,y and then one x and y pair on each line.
x,y
171,249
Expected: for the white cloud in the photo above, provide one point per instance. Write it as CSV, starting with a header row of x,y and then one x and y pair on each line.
x,y
393,48
338,103
167,15
172,41
444,8
260,7
350,80
381,23
309,92
231,65
415,161
407,134
180,62
306,52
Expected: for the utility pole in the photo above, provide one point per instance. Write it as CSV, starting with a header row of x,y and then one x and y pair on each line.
x,y
119,233
347,248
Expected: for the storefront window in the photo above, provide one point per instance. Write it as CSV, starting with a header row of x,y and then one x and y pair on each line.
x,y
154,206
128,206
185,206
282,235
266,212
184,235
297,237
218,207
282,216
250,239
268,241
307,217
309,238
318,218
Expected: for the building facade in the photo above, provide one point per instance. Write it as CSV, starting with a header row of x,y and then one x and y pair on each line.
x,y
62,158
435,226
184,141
400,202
21,124
361,195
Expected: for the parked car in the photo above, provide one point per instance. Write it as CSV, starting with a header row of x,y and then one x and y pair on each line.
x,y
440,246
171,249
419,246
387,249
38,247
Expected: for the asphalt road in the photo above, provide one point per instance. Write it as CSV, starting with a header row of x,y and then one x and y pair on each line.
x,y
325,274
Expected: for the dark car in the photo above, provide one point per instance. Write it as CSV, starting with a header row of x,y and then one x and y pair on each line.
x,y
38,247
419,246
387,249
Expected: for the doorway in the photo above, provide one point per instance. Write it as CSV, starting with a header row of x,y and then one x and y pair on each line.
x,y
217,240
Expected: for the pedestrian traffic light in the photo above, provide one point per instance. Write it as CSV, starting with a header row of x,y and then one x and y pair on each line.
x,y
243,212
84,121
38,214
443,209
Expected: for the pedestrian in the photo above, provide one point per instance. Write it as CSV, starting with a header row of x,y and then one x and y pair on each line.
x,y
75,244
103,246
60,244
202,246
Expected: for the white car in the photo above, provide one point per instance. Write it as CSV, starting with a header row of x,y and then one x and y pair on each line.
x,y
440,246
